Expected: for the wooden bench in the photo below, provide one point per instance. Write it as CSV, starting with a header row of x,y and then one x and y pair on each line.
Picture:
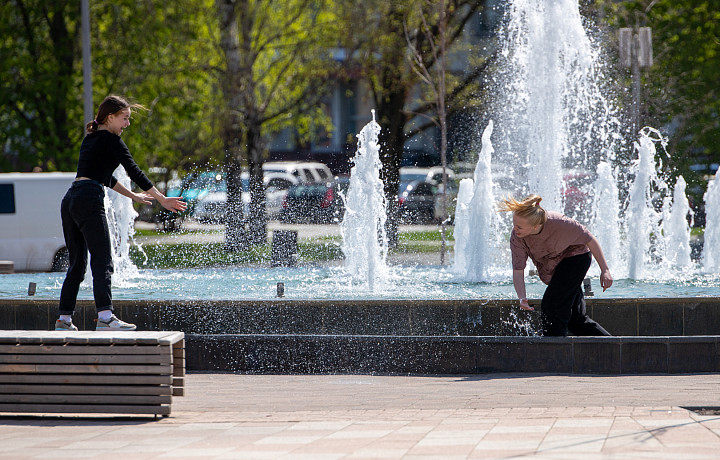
x,y
91,372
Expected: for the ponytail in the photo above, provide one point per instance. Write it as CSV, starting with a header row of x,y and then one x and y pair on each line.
x,y
529,209
109,106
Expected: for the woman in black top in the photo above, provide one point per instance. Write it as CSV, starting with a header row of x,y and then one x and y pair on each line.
x,y
83,212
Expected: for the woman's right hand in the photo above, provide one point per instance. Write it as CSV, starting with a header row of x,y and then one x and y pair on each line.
x,y
174,204
525,305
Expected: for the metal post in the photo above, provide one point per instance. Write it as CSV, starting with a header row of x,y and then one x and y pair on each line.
x,y
636,53
635,71
87,62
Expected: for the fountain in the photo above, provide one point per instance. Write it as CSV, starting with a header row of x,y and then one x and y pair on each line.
x,y
552,125
363,226
711,249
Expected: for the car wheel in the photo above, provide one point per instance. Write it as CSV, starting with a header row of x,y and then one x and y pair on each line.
x,y
61,261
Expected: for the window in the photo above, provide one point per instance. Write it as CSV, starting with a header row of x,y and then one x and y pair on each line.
x,y
7,199
279,183
309,175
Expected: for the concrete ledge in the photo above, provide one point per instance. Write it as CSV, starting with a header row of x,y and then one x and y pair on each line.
x,y
330,354
467,317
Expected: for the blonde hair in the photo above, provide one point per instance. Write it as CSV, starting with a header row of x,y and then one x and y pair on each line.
x,y
529,209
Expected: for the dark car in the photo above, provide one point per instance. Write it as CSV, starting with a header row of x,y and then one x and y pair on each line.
x,y
416,201
313,203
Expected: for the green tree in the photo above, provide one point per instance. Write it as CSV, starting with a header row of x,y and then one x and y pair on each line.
x,y
163,55
681,88
277,67
394,42
160,54
39,78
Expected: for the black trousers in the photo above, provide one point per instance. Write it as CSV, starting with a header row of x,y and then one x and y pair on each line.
x,y
85,229
563,304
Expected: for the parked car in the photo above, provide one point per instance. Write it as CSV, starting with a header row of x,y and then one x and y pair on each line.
x,y
432,174
313,203
277,185
416,201
305,171
420,194
576,195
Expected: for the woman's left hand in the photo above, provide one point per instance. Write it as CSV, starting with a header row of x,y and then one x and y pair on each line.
x,y
174,204
606,279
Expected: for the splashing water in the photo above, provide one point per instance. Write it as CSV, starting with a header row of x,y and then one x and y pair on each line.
x,y
476,221
711,245
121,222
560,137
363,226
606,221
642,216
552,114
676,229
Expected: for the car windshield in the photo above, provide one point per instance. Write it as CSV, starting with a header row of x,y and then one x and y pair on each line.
x,y
213,182
307,190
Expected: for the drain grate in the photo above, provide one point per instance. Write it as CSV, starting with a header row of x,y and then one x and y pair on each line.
x,y
704,410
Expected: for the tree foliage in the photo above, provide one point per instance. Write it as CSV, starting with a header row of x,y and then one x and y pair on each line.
x,y
392,43
277,66
681,88
159,54
38,74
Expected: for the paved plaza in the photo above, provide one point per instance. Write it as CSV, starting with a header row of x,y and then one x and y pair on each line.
x,y
228,416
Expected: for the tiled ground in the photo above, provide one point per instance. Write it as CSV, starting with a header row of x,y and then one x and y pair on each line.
x,y
226,416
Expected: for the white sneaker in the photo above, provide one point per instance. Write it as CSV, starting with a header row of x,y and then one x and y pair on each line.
x,y
114,324
61,325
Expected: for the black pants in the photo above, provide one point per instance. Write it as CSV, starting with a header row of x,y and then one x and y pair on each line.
x,y
563,304
85,228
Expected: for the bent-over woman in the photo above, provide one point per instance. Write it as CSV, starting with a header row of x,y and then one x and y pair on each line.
x,y
560,248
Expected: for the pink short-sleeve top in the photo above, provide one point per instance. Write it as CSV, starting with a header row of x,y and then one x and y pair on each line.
x,y
559,238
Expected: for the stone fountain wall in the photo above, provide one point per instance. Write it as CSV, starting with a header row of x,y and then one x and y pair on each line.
x,y
679,335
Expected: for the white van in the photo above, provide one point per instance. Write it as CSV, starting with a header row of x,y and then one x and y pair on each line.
x,y
31,233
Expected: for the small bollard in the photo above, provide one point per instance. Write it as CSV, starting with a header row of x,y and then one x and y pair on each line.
x,y
587,287
32,288
281,289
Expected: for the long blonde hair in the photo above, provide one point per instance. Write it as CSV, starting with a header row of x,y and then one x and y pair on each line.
x,y
529,209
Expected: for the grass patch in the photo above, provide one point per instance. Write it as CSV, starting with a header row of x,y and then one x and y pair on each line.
x,y
198,255
426,235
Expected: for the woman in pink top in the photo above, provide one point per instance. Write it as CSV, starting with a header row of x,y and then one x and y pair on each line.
x,y
560,248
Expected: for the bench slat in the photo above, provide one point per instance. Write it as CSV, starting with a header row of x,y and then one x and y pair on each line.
x,y
95,379
157,390
84,349
85,409
84,399
85,359
84,369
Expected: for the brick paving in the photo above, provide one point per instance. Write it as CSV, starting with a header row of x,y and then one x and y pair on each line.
x,y
228,416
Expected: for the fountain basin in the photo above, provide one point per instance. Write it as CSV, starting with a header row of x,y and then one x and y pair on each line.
x,y
675,335
324,354
474,317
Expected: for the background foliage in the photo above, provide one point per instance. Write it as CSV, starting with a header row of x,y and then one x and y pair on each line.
x,y
167,56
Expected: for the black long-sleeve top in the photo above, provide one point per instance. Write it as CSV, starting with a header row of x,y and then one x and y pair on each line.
x,y
101,153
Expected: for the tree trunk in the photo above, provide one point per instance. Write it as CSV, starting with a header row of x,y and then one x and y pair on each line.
x,y
257,220
390,97
235,234
392,138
